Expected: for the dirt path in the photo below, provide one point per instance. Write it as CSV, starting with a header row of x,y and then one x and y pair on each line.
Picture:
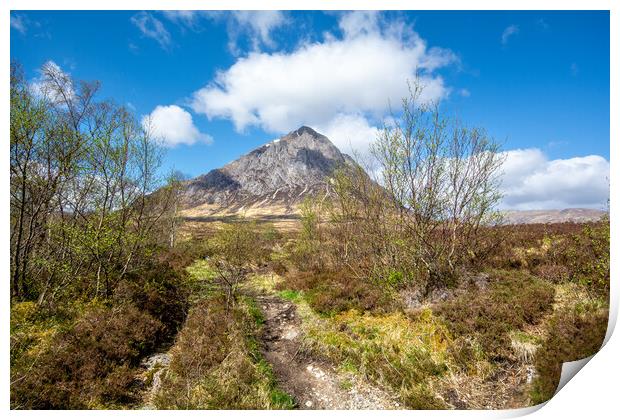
x,y
154,367
312,383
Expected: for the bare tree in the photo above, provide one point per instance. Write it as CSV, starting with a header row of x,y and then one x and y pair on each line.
x,y
83,173
444,179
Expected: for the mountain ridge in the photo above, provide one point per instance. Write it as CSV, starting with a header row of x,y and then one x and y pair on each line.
x,y
273,178
577,215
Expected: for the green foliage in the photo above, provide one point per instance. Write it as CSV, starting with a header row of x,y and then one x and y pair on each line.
x,y
292,295
235,248
306,252
395,278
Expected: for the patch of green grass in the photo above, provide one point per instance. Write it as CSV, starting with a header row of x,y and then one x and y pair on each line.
x,y
292,295
201,270
348,366
253,310
264,283
200,281
346,384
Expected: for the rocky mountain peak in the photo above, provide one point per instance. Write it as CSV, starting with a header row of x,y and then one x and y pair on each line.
x,y
281,172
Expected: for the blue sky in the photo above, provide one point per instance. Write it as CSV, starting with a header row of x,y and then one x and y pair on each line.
x,y
217,85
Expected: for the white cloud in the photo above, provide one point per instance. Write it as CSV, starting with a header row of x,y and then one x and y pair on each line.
x,y
508,32
532,181
153,28
260,24
351,133
187,18
358,74
173,126
18,22
362,22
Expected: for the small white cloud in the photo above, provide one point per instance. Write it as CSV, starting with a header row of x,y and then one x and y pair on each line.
x,y
531,181
173,126
508,32
18,22
356,75
464,93
153,28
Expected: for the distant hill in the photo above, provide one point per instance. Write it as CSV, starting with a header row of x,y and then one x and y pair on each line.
x,y
515,217
271,180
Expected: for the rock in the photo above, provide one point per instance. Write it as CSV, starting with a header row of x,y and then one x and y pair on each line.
x,y
161,359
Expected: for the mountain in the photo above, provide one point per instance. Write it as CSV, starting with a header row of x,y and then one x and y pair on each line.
x,y
517,217
269,180
272,180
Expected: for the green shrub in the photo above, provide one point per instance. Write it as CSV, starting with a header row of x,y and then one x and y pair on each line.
x,y
588,259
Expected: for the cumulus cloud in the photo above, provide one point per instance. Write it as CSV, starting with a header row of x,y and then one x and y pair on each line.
x,y
173,126
153,28
351,133
532,181
508,32
355,75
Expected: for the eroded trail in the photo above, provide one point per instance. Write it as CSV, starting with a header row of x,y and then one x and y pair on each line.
x,y
312,383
